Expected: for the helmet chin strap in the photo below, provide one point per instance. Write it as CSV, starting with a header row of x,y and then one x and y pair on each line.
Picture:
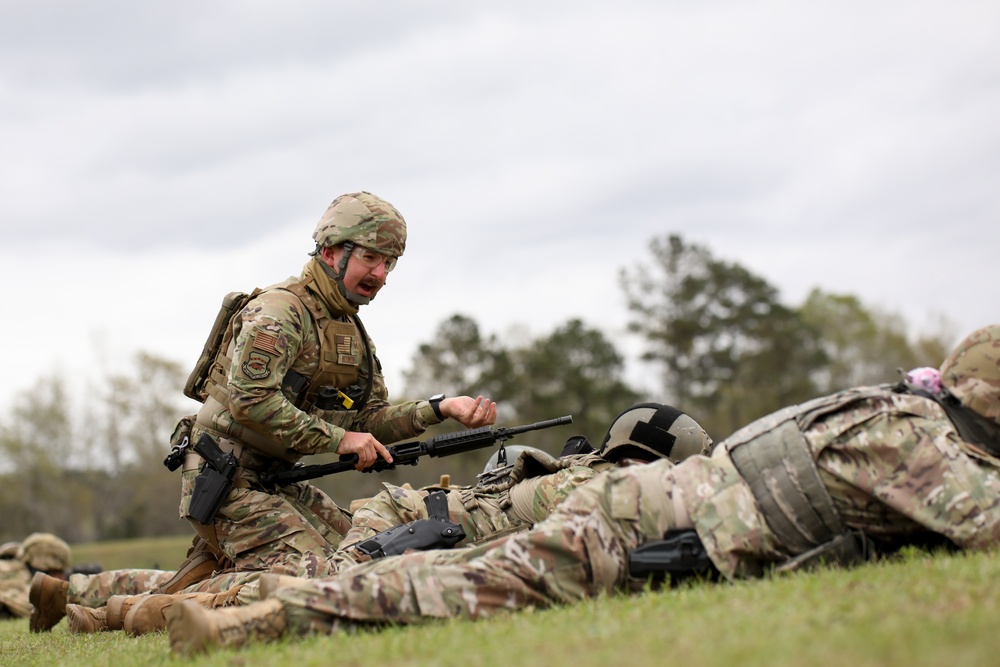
x,y
338,277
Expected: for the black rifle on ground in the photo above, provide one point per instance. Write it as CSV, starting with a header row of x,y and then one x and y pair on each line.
x,y
409,453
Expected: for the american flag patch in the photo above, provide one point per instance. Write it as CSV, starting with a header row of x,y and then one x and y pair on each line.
x,y
265,341
344,343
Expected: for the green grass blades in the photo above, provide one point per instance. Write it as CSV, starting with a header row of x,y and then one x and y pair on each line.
x,y
915,610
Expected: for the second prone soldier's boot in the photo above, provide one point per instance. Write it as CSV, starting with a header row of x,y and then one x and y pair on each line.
x,y
194,629
82,619
48,599
146,615
111,616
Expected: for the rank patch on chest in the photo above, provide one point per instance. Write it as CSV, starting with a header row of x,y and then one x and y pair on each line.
x,y
257,366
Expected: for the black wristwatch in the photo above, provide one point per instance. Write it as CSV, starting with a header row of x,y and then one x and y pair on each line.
x,y
435,402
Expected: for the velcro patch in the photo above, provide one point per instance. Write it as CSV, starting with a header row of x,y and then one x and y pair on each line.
x,y
257,366
344,343
265,341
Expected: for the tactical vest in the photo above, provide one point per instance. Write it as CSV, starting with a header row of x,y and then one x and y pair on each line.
x,y
209,382
774,458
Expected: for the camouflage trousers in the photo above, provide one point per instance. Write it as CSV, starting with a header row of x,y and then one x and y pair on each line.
x,y
93,590
482,515
580,551
294,531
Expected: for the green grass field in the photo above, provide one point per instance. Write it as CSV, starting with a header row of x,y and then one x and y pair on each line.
x,y
915,610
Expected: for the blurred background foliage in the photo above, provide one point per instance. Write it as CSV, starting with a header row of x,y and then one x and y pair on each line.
x,y
714,339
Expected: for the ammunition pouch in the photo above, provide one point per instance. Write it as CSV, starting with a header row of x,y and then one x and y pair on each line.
x,y
331,398
435,532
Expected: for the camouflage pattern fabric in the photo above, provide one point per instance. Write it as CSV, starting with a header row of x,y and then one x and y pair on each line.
x,y
893,464
274,334
294,530
580,551
15,579
93,590
45,551
483,514
364,219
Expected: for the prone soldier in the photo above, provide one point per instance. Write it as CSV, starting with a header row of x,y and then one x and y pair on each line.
x,y
832,480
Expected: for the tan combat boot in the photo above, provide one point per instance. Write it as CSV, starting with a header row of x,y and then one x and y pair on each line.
x,y
146,614
86,619
194,629
48,597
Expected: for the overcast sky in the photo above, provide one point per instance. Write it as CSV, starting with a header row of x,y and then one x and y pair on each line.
x,y
154,156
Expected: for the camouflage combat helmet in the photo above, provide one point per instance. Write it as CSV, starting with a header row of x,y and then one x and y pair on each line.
x,y
971,373
46,552
512,452
651,431
363,219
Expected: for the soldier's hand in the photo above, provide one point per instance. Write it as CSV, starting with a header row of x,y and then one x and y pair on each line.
x,y
365,446
470,412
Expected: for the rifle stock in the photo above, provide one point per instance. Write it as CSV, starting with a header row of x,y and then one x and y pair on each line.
x,y
409,453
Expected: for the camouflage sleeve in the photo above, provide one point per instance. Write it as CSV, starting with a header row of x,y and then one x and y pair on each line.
x,y
535,498
917,466
270,334
388,422
273,331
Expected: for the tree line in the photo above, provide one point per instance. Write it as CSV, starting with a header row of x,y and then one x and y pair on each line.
x,y
717,341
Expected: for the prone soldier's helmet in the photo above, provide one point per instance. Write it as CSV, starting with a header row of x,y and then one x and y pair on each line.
x,y
45,552
971,373
512,452
651,431
363,219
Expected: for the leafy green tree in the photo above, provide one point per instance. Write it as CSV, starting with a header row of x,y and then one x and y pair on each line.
x,y
867,346
37,441
132,421
458,361
728,350
574,370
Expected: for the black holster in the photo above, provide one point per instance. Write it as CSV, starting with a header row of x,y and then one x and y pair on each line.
x,y
679,553
436,532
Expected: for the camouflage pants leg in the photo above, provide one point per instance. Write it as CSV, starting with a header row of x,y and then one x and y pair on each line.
x,y
93,590
293,532
580,551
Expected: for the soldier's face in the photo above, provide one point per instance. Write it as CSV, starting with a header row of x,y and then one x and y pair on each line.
x,y
358,278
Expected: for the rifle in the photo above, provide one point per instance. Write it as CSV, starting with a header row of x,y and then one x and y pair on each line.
x,y
409,453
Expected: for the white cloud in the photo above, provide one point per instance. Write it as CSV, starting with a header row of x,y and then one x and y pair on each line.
x,y
534,149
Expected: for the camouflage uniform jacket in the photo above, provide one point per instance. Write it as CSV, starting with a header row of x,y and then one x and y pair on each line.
x,y
893,464
275,333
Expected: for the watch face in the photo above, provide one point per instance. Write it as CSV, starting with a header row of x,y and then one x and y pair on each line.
x,y
436,397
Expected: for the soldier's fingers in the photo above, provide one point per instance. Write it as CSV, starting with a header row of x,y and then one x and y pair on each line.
x,y
383,452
